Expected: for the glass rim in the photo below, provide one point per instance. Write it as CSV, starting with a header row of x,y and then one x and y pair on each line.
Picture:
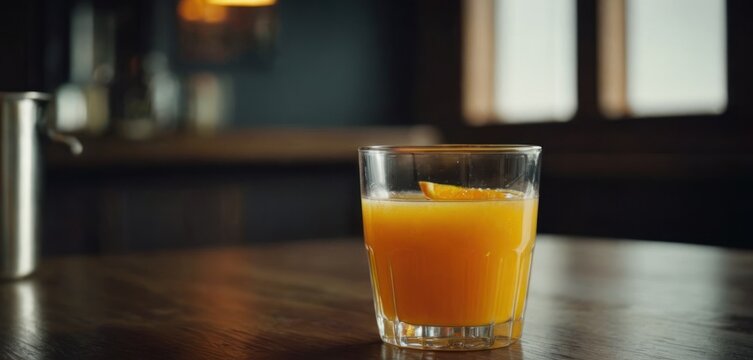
x,y
452,149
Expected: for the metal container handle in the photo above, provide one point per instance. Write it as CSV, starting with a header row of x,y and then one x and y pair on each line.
x,y
47,127
72,142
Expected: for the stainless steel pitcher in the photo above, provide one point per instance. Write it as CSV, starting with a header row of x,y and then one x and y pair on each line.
x,y
22,122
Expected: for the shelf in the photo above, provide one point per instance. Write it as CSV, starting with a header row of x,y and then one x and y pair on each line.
x,y
329,145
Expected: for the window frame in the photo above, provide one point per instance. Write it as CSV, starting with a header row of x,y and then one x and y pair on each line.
x,y
623,144
602,57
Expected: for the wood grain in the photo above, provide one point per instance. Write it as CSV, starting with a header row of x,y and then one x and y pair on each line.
x,y
590,299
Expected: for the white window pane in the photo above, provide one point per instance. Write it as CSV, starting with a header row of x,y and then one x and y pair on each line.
x,y
676,62
535,60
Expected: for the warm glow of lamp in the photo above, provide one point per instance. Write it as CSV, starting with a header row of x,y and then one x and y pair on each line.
x,y
201,11
243,2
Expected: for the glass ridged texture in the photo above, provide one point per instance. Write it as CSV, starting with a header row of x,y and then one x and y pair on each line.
x,y
450,269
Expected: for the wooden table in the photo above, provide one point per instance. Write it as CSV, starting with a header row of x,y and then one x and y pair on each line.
x,y
590,299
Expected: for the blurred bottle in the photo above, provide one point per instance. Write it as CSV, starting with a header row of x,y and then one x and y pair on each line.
x,y
116,84
150,98
164,91
83,104
209,98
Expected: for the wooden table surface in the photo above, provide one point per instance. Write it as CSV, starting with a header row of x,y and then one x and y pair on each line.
x,y
589,299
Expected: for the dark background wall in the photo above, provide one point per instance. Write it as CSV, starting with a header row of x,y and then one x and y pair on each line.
x,y
333,63
21,67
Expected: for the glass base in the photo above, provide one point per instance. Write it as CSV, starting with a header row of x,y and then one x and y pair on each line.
x,y
449,338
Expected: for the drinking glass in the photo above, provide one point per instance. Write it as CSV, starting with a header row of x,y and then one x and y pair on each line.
x,y
449,232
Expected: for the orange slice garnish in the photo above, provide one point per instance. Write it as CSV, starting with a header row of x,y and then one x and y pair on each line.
x,y
434,191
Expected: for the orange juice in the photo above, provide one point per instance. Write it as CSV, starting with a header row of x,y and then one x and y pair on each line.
x,y
450,263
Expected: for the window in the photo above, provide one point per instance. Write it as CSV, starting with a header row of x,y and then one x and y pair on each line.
x,y
655,58
520,60
676,57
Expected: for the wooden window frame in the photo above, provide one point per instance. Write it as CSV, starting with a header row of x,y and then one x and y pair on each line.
x,y
600,145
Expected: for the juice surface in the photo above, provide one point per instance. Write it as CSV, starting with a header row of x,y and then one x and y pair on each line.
x,y
450,263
